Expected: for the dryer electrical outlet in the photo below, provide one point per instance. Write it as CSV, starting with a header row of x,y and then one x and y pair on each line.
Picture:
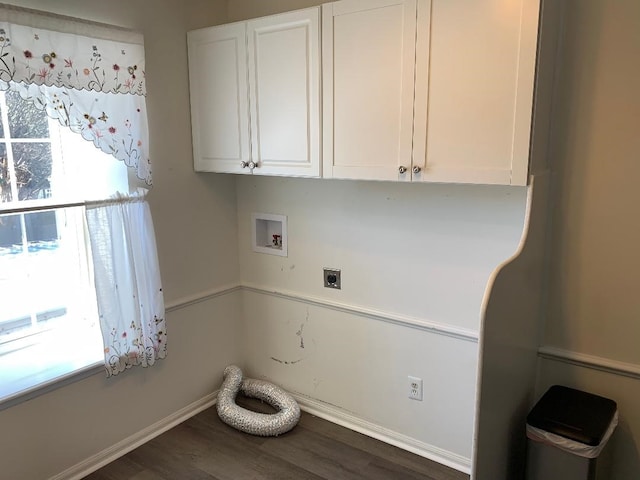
x,y
331,278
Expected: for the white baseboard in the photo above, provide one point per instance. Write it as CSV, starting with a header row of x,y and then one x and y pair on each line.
x,y
341,417
314,407
100,459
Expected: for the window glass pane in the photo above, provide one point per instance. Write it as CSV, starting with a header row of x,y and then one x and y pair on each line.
x,y
43,281
41,229
1,126
32,163
5,176
48,314
13,276
85,172
33,270
25,120
10,236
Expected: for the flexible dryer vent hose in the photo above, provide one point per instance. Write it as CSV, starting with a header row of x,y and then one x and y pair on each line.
x,y
262,424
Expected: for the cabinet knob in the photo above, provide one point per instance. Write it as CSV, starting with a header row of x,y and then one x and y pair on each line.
x,y
402,169
244,164
416,169
252,165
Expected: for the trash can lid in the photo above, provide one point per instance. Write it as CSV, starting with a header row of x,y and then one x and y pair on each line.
x,y
573,414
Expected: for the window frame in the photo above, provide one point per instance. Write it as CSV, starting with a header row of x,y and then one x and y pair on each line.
x,y
36,338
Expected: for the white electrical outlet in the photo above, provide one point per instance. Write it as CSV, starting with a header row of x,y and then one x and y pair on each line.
x,y
415,388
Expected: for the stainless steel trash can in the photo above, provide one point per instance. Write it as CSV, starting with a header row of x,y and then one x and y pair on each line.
x,y
567,432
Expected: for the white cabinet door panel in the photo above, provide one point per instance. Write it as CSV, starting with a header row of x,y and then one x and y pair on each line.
x,y
474,89
368,78
219,98
284,85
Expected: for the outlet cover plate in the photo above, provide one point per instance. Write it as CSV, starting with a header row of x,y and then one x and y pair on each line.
x,y
331,278
415,388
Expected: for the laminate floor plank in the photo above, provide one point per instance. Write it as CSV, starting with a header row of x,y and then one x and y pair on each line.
x,y
381,469
319,455
232,456
155,458
214,453
205,448
123,468
382,450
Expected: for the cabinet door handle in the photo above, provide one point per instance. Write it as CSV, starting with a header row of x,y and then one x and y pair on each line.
x,y
402,169
252,165
244,164
416,169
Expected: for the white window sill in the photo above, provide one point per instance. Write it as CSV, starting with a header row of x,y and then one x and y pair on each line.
x,y
37,369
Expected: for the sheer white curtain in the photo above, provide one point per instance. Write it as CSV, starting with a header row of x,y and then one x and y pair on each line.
x,y
91,78
127,278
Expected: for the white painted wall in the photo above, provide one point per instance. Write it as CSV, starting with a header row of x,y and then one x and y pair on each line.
x,y
408,252
195,221
594,306
425,251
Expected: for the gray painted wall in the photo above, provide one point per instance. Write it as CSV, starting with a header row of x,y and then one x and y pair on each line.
x,y
593,311
194,215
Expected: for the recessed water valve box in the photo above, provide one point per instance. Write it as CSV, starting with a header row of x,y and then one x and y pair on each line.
x,y
269,233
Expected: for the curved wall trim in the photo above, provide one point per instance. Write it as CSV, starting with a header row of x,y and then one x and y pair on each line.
x,y
389,317
590,361
508,348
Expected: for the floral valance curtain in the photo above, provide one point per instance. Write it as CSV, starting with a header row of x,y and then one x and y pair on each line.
x,y
91,78
94,86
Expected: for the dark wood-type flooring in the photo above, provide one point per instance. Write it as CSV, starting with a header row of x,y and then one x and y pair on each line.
x,y
205,448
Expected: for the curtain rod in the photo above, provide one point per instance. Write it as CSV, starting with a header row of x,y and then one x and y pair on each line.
x,y
120,199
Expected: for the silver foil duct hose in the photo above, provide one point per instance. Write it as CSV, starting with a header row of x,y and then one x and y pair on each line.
x,y
262,424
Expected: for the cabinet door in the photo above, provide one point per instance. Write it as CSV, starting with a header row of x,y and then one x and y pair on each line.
x,y
474,90
368,80
219,98
284,86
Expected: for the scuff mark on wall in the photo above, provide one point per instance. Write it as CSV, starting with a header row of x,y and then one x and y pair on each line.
x,y
316,383
283,362
299,333
301,330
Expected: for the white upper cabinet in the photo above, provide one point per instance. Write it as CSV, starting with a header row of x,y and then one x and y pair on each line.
x,y
219,98
284,85
368,81
256,105
412,90
474,90
433,90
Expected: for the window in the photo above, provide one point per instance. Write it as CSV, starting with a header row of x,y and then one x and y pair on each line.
x,y
48,315
79,276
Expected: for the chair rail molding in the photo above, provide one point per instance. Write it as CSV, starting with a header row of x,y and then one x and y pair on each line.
x,y
590,361
438,328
